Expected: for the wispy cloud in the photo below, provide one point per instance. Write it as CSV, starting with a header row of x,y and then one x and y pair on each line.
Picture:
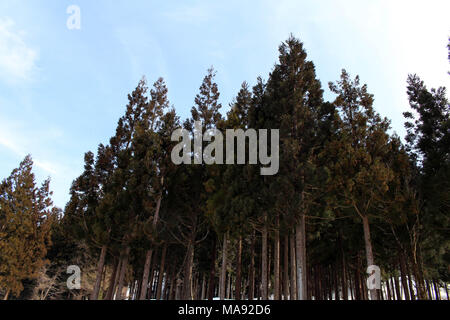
x,y
200,12
17,59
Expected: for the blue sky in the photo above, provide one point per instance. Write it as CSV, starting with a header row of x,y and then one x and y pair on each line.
x,y
62,91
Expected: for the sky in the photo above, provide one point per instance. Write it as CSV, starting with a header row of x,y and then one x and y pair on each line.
x,y
62,90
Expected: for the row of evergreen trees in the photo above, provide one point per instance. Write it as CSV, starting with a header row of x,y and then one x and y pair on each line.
x,y
348,194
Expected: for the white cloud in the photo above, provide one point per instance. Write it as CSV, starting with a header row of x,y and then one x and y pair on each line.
x,y
17,59
197,13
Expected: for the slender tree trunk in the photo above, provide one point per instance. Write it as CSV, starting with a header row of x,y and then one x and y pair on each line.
x,y
446,289
388,289
269,265
195,286
318,282
178,289
412,294
330,282
344,271
116,278
102,289
148,255
286,267
238,269
418,274
301,259
436,290
132,290
212,272
403,276
203,294
358,291
430,296
391,280
187,284
123,270
144,284
276,262
223,272
264,275
161,272
173,283
293,292
364,286
98,280
351,287
152,277
369,252
398,292
110,291
251,293
228,287
6,295
336,282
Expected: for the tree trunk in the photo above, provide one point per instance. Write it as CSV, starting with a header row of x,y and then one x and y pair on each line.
x,y
344,271
187,284
388,289
144,285
238,270
123,270
223,272
276,262
203,294
132,290
148,255
403,276
6,294
286,267
436,290
336,282
251,293
293,293
178,289
358,291
116,280
152,277
301,259
173,284
369,252
112,281
264,275
351,287
161,272
228,295
430,296
98,280
398,292
410,284
418,274
446,289
330,282
212,272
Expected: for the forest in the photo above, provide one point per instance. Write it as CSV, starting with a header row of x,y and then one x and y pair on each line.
x,y
349,194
